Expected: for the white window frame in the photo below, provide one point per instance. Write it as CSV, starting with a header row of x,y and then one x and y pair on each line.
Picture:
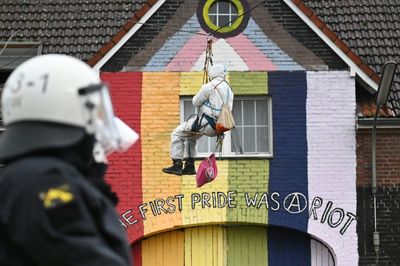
x,y
217,15
226,148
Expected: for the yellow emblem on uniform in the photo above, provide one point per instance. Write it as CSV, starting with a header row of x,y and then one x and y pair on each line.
x,y
56,196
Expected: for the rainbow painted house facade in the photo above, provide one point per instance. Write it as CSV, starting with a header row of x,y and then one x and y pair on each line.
x,y
294,205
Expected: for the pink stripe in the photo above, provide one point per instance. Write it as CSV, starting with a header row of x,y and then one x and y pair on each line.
x,y
189,54
250,54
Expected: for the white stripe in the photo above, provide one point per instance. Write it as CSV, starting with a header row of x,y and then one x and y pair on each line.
x,y
224,54
331,139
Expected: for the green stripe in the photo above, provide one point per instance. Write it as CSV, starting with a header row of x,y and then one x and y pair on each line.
x,y
248,177
245,83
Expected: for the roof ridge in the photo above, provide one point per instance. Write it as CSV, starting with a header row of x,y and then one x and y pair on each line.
x,y
121,33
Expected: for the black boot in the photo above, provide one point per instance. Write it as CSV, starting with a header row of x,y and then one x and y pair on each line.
x,y
189,167
175,169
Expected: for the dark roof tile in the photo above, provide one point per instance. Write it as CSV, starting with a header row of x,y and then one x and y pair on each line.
x,y
56,22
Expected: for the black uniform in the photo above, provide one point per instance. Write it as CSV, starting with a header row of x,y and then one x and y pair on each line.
x,y
52,214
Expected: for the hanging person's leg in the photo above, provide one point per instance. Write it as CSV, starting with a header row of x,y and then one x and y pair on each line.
x,y
178,138
189,168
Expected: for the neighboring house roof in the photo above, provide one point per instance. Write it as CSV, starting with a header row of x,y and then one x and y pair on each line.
x,y
371,29
79,28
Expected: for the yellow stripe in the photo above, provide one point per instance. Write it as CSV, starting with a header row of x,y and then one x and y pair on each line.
x,y
200,215
159,116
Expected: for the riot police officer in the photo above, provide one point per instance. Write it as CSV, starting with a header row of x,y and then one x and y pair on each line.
x,y
55,208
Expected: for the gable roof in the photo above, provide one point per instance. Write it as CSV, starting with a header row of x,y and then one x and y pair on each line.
x,y
367,31
79,28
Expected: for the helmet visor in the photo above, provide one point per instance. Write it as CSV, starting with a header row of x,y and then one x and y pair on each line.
x,y
104,124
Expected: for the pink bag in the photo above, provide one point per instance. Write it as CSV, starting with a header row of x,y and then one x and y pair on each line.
x,y
207,171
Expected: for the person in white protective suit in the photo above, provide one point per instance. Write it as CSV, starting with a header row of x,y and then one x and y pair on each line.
x,y
209,99
55,206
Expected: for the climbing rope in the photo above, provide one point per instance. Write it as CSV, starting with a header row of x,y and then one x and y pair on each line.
x,y
208,60
219,143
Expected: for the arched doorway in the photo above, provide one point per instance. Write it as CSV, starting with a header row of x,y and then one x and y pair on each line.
x,y
232,245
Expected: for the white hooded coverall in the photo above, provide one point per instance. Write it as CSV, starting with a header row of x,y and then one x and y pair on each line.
x,y
210,103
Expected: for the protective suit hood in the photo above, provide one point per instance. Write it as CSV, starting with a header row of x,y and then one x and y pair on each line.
x,y
217,70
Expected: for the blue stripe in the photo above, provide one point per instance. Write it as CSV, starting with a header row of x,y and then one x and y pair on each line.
x,y
288,247
269,48
288,168
172,46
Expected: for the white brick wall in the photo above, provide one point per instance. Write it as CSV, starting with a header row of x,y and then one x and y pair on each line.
x,y
332,158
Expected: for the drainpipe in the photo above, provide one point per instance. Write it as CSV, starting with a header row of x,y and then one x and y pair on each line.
x,y
375,234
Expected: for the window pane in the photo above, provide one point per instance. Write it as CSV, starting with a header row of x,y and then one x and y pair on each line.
x,y
213,143
188,109
202,144
262,139
248,113
236,143
213,8
249,140
206,144
261,112
223,20
237,112
213,19
233,9
224,7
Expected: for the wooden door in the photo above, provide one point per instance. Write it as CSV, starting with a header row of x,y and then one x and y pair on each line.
x,y
247,246
205,246
165,249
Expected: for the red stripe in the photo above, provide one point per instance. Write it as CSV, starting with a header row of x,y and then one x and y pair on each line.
x,y
189,54
125,169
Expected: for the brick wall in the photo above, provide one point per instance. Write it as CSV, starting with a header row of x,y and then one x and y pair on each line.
x,y
160,114
125,169
249,177
245,83
149,102
332,159
388,196
387,157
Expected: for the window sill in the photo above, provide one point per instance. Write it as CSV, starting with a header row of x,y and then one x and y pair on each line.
x,y
237,156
